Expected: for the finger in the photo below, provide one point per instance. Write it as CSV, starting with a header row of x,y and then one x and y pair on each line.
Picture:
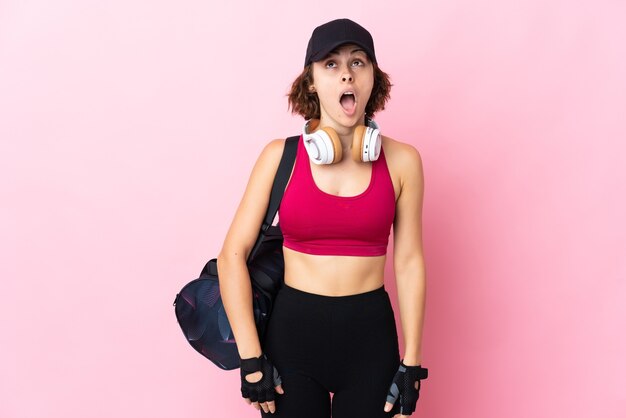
x,y
280,389
264,406
254,397
393,394
388,406
271,406
248,401
256,405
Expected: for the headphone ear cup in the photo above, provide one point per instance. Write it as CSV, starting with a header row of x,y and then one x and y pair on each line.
x,y
372,142
322,145
332,137
357,143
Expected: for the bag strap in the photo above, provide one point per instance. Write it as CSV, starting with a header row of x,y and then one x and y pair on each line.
x,y
278,189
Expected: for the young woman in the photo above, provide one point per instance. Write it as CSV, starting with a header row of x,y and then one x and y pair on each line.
x,y
332,328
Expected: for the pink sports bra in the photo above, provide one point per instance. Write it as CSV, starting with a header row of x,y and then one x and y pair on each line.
x,y
315,222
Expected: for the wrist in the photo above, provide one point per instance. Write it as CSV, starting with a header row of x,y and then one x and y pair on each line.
x,y
417,371
250,354
411,361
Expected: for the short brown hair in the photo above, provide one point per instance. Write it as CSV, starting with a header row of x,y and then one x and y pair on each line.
x,y
305,103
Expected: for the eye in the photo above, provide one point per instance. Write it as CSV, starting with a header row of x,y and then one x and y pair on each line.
x,y
331,64
357,63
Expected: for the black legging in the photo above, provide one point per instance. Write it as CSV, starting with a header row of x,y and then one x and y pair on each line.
x,y
347,345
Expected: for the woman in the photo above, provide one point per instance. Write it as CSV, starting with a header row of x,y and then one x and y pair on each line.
x,y
332,328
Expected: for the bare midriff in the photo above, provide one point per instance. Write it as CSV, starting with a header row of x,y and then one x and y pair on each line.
x,y
333,275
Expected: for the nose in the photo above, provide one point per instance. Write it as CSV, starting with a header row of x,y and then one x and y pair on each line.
x,y
346,75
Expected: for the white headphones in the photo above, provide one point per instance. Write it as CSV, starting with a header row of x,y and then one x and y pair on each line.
x,y
324,146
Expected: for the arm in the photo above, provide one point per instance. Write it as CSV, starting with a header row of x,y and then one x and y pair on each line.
x,y
235,287
408,259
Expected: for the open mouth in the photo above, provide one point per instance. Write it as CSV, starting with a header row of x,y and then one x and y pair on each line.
x,y
348,101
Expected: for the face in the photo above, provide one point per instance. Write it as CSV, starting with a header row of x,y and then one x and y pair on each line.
x,y
343,82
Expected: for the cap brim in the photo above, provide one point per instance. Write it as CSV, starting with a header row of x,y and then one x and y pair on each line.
x,y
321,54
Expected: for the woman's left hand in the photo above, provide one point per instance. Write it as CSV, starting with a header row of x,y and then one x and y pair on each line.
x,y
405,389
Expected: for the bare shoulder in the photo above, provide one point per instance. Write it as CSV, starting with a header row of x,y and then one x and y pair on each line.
x,y
400,152
403,159
275,145
272,152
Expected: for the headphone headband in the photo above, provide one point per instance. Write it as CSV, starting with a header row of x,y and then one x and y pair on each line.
x,y
314,123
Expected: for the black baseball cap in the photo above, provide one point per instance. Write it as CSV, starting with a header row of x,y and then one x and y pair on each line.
x,y
337,32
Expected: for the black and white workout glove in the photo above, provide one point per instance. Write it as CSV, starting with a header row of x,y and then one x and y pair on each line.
x,y
263,390
403,387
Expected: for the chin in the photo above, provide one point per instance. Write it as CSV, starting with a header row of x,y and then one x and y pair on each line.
x,y
355,120
348,121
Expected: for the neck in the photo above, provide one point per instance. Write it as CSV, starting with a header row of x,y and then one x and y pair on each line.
x,y
345,133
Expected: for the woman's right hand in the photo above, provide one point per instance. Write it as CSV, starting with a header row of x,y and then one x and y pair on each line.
x,y
259,380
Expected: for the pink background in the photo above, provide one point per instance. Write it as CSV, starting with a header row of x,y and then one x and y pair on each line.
x,y
128,130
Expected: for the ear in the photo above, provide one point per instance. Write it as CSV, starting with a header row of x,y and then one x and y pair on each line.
x,y
311,89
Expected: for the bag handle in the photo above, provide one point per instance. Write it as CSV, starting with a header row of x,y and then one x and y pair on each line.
x,y
278,189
